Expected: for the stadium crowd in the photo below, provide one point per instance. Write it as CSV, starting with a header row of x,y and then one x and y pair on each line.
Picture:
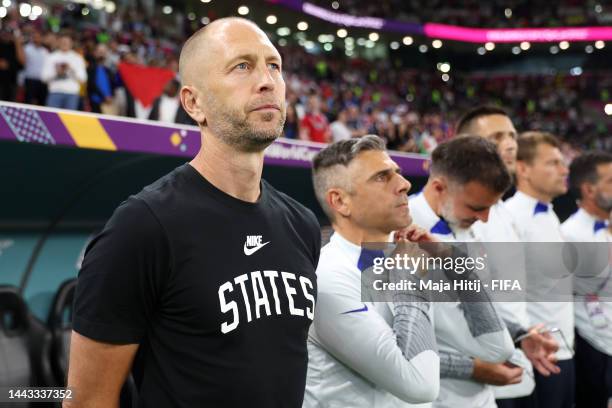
x,y
413,110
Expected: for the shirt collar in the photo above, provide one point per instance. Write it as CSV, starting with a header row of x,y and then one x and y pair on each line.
x,y
537,206
361,257
429,219
590,220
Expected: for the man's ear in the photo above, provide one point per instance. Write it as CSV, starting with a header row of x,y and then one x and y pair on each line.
x,y
587,190
521,169
339,201
189,100
439,184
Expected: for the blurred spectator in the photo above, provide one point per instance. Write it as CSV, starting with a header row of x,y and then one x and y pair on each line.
x,y
64,72
35,55
101,83
50,41
314,125
167,108
339,129
11,61
291,122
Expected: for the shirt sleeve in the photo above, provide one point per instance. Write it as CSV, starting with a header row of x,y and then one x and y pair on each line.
x,y
122,276
362,340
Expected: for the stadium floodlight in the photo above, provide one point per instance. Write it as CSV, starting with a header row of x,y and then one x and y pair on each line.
x,y
423,48
110,7
167,10
608,109
576,71
6,3
205,1
283,31
335,5
554,49
564,45
508,13
490,46
302,26
243,10
394,45
444,67
599,44
407,40
436,43
588,49
271,19
373,36
481,51
342,33
445,77
328,47
205,20
3,12
25,9
516,50
525,45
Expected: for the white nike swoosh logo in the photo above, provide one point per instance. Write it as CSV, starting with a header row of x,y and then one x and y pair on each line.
x,y
251,251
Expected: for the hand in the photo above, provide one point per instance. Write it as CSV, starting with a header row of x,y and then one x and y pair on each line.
x,y
496,374
540,349
413,233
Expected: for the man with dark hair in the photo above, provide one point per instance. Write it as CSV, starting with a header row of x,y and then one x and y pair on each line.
x,y
591,183
365,354
493,124
541,175
467,177
205,280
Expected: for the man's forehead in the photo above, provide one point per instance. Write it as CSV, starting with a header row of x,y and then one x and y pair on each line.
x,y
496,123
373,161
241,38
605,169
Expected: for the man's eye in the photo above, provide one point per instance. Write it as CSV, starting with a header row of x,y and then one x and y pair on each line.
x,y
274,66
242,65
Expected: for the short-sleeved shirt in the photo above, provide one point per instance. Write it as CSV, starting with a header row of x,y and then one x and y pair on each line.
x,y
218,292
317,126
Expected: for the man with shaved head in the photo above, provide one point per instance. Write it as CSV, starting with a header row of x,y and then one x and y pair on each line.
x,y
203,285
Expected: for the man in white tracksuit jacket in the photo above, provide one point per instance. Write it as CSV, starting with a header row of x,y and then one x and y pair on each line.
x,y
467,177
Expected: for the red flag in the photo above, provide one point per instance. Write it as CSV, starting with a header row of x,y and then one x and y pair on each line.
x,y
144,83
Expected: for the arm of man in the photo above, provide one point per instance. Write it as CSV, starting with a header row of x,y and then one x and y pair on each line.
x,y
97,372
116,299
401,359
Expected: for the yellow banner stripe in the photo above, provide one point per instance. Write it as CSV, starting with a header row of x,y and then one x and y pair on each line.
x,y
87,131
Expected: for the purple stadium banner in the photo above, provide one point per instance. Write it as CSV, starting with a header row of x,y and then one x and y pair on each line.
x,y
450,32
34,124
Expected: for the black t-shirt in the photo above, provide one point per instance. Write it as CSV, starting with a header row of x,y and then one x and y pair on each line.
x,y
219,293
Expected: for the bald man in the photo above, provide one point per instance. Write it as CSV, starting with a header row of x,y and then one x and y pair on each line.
x,y
203,284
